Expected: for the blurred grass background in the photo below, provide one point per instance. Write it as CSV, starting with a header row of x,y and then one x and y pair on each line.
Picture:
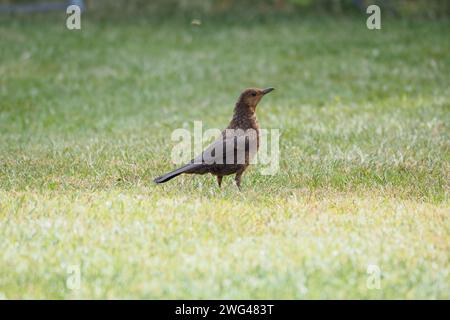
x,y
254,9
258,8
85,124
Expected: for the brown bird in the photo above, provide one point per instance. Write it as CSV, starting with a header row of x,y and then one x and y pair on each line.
x,y
233,151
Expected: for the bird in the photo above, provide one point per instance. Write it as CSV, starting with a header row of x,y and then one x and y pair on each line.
x,y
237,145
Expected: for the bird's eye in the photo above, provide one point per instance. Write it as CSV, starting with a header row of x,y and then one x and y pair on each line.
x,y
254,94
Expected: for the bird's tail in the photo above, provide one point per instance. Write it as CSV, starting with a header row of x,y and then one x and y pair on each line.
x,y
170,175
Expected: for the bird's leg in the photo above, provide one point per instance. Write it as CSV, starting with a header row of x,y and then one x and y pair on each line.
x,y
219,181
237,178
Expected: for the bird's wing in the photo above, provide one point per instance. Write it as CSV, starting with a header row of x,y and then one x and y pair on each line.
x,y
235,148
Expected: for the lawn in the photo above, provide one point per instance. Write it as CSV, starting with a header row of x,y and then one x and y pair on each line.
x,y
85,125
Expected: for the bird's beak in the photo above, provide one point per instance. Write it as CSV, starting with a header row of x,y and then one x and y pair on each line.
x,y
267,90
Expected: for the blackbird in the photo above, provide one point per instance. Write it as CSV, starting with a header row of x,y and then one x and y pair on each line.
x,y
236,147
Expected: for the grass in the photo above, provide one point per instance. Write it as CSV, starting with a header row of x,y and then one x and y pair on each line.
x,y
85,124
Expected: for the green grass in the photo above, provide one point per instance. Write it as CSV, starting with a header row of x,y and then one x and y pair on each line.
x,y
85,124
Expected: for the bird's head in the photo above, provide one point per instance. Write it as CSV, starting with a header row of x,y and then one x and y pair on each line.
x,y
250,97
